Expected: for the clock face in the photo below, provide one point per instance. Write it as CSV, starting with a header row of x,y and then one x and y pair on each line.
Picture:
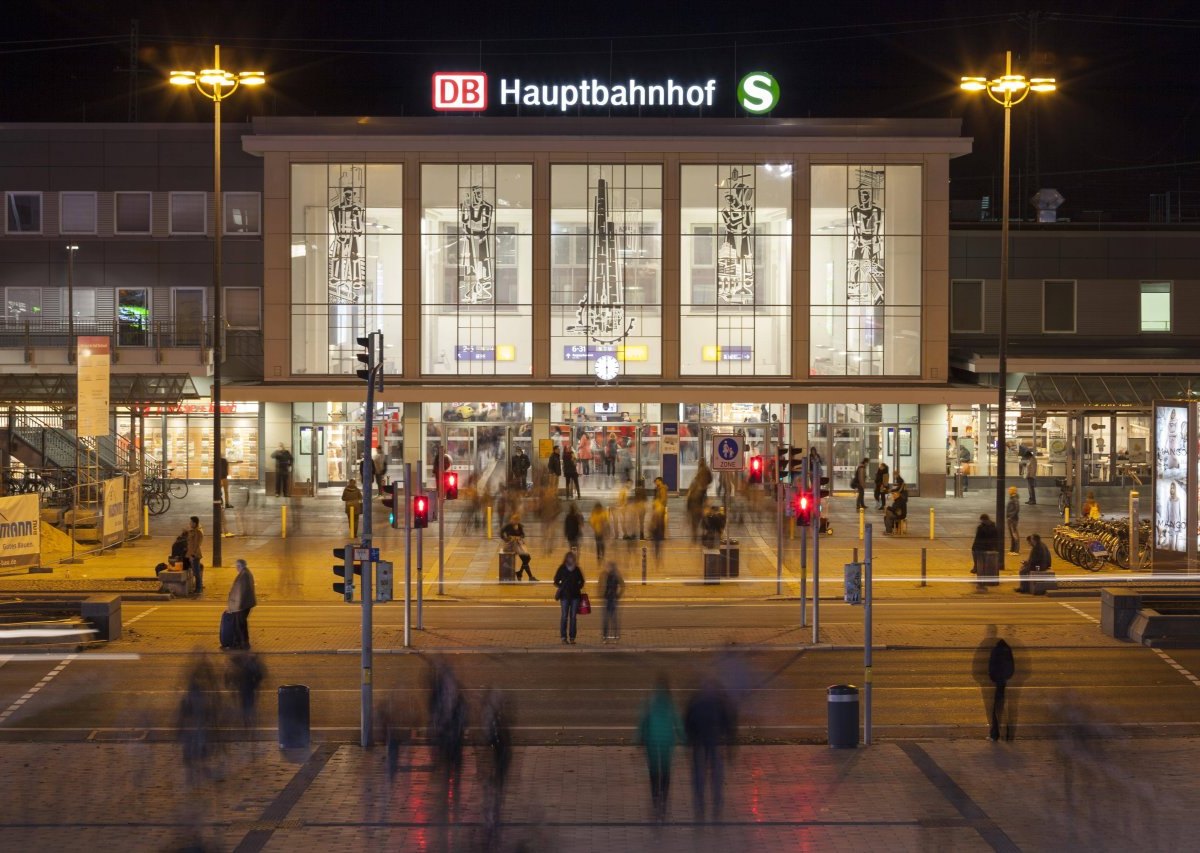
x,y
607,368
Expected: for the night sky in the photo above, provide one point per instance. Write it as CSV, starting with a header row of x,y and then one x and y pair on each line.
x,y
1123,127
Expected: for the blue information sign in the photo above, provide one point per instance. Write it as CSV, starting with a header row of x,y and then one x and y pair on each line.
x,y
579,352
737,353
469,352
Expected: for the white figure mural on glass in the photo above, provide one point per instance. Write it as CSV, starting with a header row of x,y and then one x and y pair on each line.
x,y
476,277
347,258
735,257
601,312
865,270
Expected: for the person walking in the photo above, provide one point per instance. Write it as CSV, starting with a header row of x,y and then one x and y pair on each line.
x,y
1001,669
568,581
612,588
240,602
585,453
610,458
555,467
573,527
379,464
498,750
860,484
243,676
601,523
710,723
985,551
195,555
882,474
659,729
223,475
513,536
519,468
1012,517
1031,471
447,718
352,497
283,471
571,472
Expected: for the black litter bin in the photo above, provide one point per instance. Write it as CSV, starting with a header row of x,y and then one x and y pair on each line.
x,y
293,716
843,716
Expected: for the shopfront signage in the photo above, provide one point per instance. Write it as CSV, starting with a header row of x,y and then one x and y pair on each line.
x,y
468,91
92,386
591,352
470,352
719,353
20,532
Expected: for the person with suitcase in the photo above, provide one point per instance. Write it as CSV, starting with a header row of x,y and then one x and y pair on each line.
x,y
985,551
241,601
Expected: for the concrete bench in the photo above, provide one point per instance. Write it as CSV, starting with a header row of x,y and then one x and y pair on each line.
x,y
104,612
180,584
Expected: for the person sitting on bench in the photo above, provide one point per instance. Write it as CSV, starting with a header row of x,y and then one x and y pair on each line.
x,y
513,535
897,511
1039,561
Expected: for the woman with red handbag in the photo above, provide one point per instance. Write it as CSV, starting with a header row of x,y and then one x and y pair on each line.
x,y
568,581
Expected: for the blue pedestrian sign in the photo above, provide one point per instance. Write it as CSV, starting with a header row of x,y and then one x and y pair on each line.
x,y
727,453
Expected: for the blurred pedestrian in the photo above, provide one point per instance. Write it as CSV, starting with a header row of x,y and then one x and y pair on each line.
x,y
601,523
660,490
860,484
1090,508
568,582
882,473
513,535
379,466
243,675
555,467
197,718
1012,517
612,588
985,552
571,472
223,473
1031,472
659,729
498,750
1038,561
573,527
710,723
352,497
658,528
447,726
585,453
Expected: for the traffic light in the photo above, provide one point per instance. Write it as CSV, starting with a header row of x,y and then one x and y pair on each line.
x,y
795,462
825,487
803,503
346,570
420,511
383,581
367,358
781,463
390,497
756,470
450,485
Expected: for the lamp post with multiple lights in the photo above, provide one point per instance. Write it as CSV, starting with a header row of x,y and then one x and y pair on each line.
x,y
217,84
1007,91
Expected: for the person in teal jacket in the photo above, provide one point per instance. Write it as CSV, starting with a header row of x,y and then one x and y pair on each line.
x,y
659,730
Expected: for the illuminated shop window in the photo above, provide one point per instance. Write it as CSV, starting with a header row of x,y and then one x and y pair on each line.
x,y
605,268
865,285
477,269
347,242
735,269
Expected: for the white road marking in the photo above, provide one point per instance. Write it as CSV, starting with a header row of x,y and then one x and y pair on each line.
x,y
141,615
1181,670
1076,610
50,676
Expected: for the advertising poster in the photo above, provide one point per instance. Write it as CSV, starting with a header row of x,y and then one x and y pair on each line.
x,y
20,533
92,386
1170,478
133,504
113,529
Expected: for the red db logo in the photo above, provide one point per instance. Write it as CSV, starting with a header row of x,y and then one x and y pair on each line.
x,y
454,90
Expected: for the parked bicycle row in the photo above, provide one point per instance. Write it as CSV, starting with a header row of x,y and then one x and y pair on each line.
x,y
1090,543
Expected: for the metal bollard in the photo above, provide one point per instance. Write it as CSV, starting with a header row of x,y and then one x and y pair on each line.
x,y
283,521
353,522
293,716
862,523
487,517
922,567
643,565
854,551
1066,515
843,716
932,524
146,522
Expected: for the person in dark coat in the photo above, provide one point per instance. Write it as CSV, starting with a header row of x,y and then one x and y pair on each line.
x,y
986,542
898,511
860,484
497,739
573,527
571,472
555,467
882,474
612,588
659,729
710,723
1039,561
568,581
1000,670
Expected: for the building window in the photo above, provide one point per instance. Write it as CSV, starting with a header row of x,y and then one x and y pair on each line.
x,y
865,270
477,269
133,317
132,211
77,213
966,306
1058,306
606,268
243,307
22,303
736,280
83,301
189,213
1156,306
242,213
347,264
24,213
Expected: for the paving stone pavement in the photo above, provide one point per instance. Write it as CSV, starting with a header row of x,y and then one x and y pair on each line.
x,y
1086,793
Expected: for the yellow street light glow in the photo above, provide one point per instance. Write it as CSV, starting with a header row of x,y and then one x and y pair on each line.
x,y
974,84
1009,89
1043,84
183,78
252,78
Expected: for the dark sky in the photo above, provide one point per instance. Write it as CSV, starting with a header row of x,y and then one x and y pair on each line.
x,y
1123,127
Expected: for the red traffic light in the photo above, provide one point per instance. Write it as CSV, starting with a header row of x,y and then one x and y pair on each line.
x,y
420,511
756,469
804,509
450,486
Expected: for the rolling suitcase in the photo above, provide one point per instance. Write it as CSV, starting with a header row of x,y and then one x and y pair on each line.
x,y
229,631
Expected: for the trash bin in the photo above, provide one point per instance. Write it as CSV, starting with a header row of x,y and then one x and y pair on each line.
x,y
507,568
714,565
293,716
852,582
958,484
734,550
843,716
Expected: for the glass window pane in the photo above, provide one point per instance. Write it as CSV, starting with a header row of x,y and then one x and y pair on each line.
x,y
188,213
132,212
242,213
77,212
1156,306
242,307
24,213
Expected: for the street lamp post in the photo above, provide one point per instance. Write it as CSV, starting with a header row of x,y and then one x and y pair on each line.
x,y
217,84
1007,91
71,250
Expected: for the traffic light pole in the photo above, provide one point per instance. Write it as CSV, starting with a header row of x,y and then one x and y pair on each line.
x,y
407,554
780,492
816,526
441,495
368,565
420,565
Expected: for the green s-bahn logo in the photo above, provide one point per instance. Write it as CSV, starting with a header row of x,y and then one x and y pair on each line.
x,y
758,92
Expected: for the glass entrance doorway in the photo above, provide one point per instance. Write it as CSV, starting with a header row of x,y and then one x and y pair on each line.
x,y
480,453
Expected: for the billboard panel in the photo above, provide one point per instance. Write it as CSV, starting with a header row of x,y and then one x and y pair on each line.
x,y
1171,496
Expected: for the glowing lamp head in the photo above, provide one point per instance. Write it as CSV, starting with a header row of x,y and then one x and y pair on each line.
x,y
252,78
182,78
